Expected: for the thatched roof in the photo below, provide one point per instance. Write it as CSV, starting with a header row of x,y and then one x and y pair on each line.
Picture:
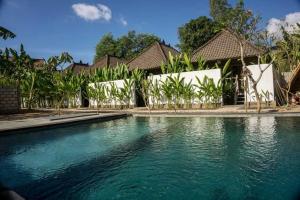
x,y
78,67
107,60
224,46
152,57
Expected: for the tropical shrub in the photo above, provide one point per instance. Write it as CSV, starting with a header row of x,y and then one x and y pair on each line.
x,y
177,84
167,91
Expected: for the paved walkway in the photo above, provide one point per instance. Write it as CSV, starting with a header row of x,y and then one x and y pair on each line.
x,y
225,110
30,123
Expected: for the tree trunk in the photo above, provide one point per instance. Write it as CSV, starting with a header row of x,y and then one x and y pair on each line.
x,y
258,100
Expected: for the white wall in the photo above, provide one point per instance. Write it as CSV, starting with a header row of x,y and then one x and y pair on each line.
x,y
215,74
266,82
119,84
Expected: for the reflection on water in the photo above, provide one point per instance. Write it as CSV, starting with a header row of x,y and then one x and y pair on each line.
x,y
158,158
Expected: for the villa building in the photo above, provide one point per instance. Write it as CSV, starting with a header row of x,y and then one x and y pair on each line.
x,y
79,67
152,57
108,60
224,46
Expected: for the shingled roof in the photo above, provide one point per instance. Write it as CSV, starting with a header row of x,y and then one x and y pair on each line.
x,y
224,45
152,57
78,67
107,60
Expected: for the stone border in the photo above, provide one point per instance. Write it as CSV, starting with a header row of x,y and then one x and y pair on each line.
x,y
228,115
63,123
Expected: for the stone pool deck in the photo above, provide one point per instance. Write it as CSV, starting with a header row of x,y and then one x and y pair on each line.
x,y
47,117
16,125
225,110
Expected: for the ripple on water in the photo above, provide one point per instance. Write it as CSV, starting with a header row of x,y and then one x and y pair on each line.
x,y
158,158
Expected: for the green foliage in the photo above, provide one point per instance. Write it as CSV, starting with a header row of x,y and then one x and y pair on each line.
x,y
288,50
15,64
188,63
109,74
201,63
218,9
127,46
188,93
195,33
6,34
127,90
113,92
106,46
177,64
145,88
177,84
167,91
210,92
240,20
267,96
155,92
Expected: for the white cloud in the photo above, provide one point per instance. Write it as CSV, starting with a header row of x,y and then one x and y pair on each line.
x,y
289,22
123,21
92,12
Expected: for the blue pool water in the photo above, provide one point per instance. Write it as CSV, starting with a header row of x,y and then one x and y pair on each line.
x,y
157,158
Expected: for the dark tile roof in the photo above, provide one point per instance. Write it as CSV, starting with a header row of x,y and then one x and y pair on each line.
x,y
224,45
78,67
152,57
107,60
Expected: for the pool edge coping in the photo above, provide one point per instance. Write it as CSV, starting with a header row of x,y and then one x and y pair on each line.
x,y
63,123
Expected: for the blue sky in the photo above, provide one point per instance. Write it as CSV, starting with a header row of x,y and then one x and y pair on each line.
x,y
48,27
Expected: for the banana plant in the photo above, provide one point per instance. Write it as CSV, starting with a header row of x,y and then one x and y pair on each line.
x,y
60,89
204,88
28,86
100,94
120,97
201,63
212,93
120,72
177,84
226,81
145,88
267,96
187,63
127,90
113,93
188,93
92,93
167,90
163,68
174,64
199,94
155,93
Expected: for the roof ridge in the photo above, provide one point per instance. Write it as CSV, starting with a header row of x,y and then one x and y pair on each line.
x,y
208,42
162,52
141,53
246,41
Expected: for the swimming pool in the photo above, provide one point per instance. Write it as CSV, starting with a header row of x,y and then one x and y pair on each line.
x,y
157,158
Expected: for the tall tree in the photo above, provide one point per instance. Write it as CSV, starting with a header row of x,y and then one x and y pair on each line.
x,y
126,46
195,33
107,45
218,9
243,23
